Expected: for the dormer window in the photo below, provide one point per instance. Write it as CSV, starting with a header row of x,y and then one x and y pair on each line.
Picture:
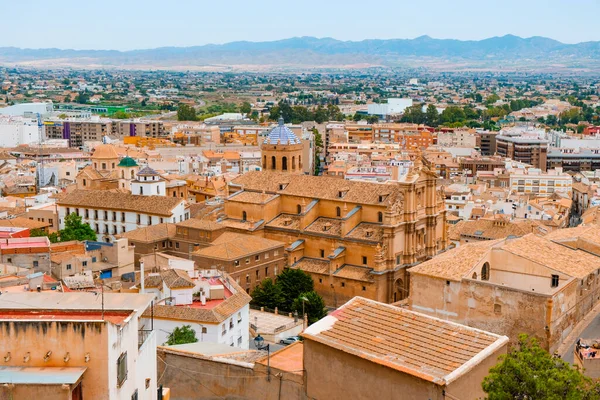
x,y
327,227
382,198
342,193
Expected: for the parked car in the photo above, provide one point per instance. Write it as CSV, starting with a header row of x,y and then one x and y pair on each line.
x,y
289,340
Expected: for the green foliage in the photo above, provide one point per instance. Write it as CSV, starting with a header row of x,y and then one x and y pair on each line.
x,y
121,115
432,116
298,114
414,114
492,98
246,108
287,292
182,335
36,232
318,149
76,230
293,282
83,97
314,306
186,113
267,294
530,372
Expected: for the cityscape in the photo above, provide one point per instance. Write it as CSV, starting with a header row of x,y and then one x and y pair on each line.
x,y
411,211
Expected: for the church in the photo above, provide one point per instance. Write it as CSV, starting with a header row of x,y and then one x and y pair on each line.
x,y
354,238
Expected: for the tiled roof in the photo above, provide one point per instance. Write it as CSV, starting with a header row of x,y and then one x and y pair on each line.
x,y
176,279
325,226
22,222
354,272
231,246
313,265
416,344
591,216
151,233
105,151
201,224
213,315
251,197
147,171
281,134
105,200
366,231
455,263
321,187
488,229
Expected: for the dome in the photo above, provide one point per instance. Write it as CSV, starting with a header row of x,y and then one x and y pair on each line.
x,y
147,171
281,134
105,152
127,162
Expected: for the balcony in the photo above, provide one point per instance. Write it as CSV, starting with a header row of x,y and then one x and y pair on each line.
x,y
143,335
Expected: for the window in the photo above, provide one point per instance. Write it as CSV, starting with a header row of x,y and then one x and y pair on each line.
x,y
257,258
68,267
555,281
485,272
364,260
343,284
266,255
275,253
239,317
364,288
244,216
338,212
322,253
379,216
122,217
93,259
236,263
224,330
176,245
134,396
84,263
36,264
397,260
204,330
320,280
266,271
239,341
121,369
298,209
497,309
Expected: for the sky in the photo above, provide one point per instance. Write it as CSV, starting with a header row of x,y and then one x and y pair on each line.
x,y
136,24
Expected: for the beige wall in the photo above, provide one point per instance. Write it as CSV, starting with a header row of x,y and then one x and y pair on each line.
x,y
193,377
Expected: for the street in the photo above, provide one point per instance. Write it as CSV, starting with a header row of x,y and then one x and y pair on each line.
x,y
591,331
273,347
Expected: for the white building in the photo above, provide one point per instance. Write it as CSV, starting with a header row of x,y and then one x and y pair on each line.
x,y
15,131
113,213
218,311
534,180
393,106
28,108
77,345
149,183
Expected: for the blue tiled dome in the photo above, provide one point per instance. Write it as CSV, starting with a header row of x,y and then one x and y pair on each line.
x,y
281,134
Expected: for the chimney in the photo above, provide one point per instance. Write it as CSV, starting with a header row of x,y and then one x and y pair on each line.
x,y
203,298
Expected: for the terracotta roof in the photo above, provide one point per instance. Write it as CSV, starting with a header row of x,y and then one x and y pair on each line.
x,y
151,233
454,264
105,151
251,197
321,187
213,315
201,224
354,272
231,246
176,279
366,231
22,222
416,344
105,200
488,229
591,216
313,265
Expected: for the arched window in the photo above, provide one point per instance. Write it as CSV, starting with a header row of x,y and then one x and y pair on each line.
x,y
244,216
284,163
379,216
113,165
338,211
84,182
141,190
103,166
299,208
273,163
95,165
474,275
293,163
122,174
132,174
264,162
299,162
485,272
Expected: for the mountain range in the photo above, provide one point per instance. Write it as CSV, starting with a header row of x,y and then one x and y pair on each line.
x,y
496,53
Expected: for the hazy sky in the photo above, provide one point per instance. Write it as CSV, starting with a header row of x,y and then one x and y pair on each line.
x,y
135,24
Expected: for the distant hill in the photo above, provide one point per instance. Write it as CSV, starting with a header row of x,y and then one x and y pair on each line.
x,y
504,52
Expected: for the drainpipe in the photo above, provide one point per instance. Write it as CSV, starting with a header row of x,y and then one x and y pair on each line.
x,y
142,286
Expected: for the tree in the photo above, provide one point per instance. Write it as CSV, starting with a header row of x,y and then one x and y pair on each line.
x,y
431,115
246,108
76,230
186,113
267,294
530,372
314,306
83,97
182,335
318,150
293,282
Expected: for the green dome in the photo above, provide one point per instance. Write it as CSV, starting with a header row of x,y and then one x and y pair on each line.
x,y
127,162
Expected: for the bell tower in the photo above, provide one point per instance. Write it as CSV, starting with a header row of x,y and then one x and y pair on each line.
x,y
282,150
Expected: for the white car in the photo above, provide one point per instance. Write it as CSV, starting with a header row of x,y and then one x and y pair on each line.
x,y
289,340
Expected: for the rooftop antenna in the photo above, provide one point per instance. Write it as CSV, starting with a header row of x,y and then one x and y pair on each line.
x,y
40,162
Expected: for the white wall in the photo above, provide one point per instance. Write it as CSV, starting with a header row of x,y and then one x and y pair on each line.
x,y
17,132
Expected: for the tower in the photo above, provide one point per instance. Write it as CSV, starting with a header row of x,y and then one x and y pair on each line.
x,y
127,170
149,183
282,150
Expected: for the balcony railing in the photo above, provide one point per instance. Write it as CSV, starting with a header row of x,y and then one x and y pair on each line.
x,y
143,335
